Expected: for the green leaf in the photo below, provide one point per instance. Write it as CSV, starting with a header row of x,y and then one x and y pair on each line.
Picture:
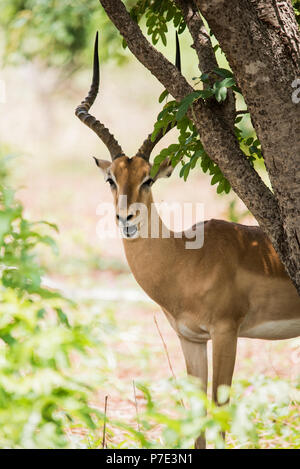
x,y
207,93
221,94
182,169
221,187
184,172
205,162
237,89
63,318
182,27
227,82
194,160
188,101
6,218
223,72
50,242
43,222
154,170
227,186
172,148
204,77
8,339
160,158
163,38
163,95
216,178
170,14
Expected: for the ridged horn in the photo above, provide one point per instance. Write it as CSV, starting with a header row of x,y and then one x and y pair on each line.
x,y
148,145
82,111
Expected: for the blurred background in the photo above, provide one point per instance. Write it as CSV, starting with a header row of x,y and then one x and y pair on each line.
x,y
46,59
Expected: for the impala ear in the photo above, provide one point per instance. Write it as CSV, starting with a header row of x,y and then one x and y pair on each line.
x,y
165,169
102,164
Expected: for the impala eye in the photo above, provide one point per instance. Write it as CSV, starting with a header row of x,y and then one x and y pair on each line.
x,y
111,182
148,183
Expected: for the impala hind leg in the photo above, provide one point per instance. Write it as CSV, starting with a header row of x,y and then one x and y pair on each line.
x,y
195,355
224,342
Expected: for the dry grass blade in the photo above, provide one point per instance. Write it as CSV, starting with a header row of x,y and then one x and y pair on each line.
x,y
136,406
168,356
104,424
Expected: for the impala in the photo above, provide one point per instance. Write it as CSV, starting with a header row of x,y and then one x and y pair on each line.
x,y
233,286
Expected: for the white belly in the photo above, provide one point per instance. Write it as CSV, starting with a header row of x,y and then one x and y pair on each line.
x,y
273,330
269,330
194,336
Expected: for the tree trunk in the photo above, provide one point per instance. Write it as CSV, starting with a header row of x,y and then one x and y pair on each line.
x,y
261,41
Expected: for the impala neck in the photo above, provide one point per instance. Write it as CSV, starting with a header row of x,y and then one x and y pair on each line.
x,y
152,260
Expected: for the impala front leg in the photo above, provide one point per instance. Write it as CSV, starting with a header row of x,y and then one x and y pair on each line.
x,y
195,355
224,342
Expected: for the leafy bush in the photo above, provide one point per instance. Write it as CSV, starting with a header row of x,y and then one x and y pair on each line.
x,y
41,394
56,32
263,413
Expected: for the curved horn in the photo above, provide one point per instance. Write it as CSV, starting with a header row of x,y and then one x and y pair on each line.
x,y
82,111
147,146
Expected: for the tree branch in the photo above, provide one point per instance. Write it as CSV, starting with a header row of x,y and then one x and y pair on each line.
x,y
202,44
217,137
167,73
206,57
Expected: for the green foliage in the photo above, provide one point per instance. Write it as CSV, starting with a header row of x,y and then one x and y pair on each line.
x,y
233,214
189,148
296,5
18,240
56,32
260,409
40,394
250,145
157,14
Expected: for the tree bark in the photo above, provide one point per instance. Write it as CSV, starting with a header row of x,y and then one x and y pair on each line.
x,y
261,41
262,46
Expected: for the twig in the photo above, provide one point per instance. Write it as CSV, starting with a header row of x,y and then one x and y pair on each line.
x,y
168,356
200,36
136,407
104,424
242,111
165,347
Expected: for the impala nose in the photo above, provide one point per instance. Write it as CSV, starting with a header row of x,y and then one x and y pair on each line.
x,y
124,220
129,231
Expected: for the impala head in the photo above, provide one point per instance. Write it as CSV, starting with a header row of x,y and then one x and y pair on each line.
x,y
129,178
130,182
